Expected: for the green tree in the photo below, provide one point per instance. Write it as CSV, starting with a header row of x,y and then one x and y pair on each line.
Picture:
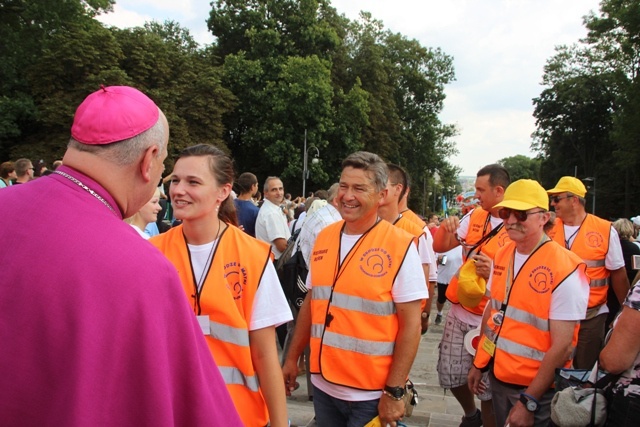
x,y
521,167
588,113
29,32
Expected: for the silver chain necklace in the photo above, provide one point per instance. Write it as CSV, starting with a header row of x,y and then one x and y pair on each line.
x,y
87,189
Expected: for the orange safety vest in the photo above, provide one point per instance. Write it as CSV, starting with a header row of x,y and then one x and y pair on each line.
x,y
479,226
413,217
227,298
523,337
353,317
591,244
412,228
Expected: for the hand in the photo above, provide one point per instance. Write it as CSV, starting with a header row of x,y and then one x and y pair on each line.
x,y
483,265
474,380
390,411
451,224
290,373
520,416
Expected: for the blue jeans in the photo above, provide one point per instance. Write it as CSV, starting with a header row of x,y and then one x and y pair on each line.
x,y
332,412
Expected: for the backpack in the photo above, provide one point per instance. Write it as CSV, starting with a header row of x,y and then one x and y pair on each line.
x,y
292,271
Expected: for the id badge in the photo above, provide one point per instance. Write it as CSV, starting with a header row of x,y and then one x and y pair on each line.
x,y
489,346
203,321
498,318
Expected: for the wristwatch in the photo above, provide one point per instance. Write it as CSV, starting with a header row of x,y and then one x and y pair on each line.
x,y
529,402
396,393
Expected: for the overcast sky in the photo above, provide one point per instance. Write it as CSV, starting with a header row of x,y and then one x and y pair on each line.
x,y
499,49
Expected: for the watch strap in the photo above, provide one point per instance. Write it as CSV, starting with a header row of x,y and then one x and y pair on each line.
x,y
395,393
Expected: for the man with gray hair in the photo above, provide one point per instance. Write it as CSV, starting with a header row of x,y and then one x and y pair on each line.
x,y
362,313
271,223
96,329
595,241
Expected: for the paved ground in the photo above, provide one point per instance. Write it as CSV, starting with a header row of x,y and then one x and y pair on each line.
x,y
435,408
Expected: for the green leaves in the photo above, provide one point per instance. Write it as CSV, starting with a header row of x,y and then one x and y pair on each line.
x,y
587,115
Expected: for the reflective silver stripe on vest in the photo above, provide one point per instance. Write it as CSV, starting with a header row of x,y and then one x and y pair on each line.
x,y
226,333
317,330
496,304
370,348
234,376
528,318
490,334
596,283
517,349
592,263
354,303
350,302
320,292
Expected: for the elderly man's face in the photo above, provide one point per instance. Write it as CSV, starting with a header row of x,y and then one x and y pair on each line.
x,y
275,191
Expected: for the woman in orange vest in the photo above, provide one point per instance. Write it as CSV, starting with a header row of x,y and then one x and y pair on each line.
x,y
230,282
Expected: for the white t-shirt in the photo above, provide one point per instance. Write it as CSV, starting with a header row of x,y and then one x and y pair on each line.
x,y
270,307
408,286
456,310
568,301
429,256
454,261
141,232
271,224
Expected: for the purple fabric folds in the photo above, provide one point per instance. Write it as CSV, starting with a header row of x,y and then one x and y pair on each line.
x,y
94,326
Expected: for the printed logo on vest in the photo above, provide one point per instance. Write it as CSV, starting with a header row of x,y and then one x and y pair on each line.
x,y
541,279
594,239
503,237
375,262
236,277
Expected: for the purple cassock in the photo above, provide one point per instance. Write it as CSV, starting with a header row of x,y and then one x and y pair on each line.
x,y
95,329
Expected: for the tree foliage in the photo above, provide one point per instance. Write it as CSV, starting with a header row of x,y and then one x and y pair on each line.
x,y
521,167
587,115
277,69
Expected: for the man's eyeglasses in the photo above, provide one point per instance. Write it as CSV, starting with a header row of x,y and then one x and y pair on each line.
x,y
521,216
556,199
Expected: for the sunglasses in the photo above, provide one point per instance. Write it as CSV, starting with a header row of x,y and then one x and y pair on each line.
x,y
556,199
521,216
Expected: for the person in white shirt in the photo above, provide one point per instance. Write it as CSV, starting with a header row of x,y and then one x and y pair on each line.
x,y
146,215
271,223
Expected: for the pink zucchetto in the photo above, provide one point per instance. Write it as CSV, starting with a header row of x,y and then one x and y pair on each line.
x,y
112,114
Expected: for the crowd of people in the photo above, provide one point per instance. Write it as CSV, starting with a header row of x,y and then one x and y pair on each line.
x,y
115,313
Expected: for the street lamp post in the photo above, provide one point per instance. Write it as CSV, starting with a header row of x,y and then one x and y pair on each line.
x,y
589,180
436,181
305,163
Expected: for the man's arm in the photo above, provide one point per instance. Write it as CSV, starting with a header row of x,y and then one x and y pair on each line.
x,y
474,377
555,357
620,283
300,340
445,238
623,347
280,244
406,347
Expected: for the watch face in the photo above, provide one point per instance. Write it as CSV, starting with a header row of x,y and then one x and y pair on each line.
x,y
532,406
